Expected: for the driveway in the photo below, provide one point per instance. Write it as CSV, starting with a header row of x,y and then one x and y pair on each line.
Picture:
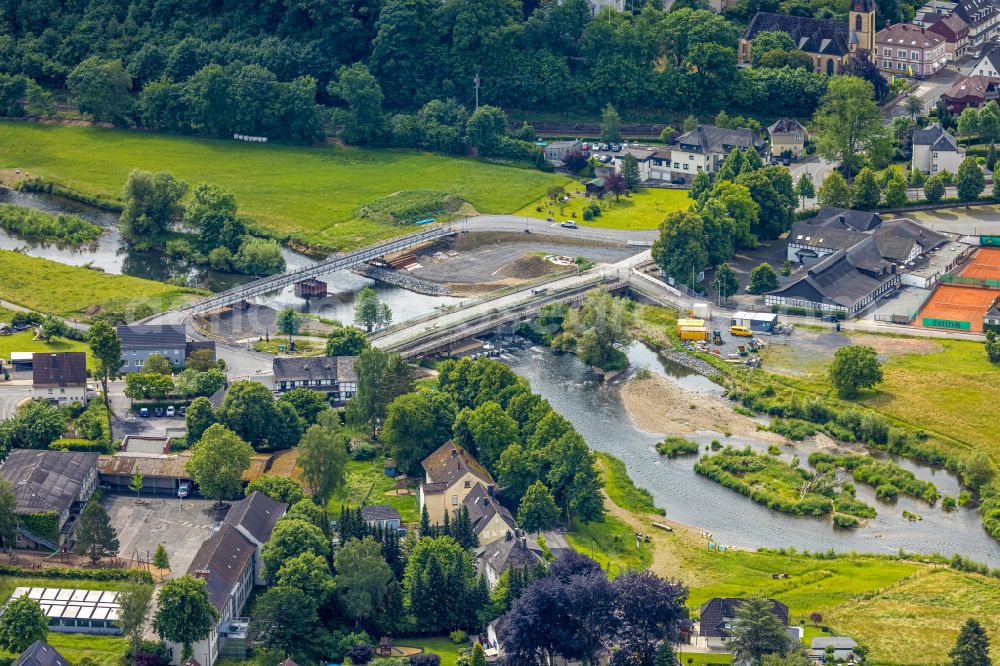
x,y
11,394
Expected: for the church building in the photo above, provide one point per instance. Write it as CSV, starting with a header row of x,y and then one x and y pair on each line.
x,y
829,43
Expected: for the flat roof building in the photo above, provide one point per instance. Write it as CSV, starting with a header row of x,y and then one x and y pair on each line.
x,y
75,611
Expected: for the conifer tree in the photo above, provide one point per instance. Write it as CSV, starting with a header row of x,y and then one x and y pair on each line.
x,y
95,536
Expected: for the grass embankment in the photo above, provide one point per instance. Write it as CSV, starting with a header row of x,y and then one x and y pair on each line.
x,y
308,193
23,342
74,292
40,225
645,209
103,650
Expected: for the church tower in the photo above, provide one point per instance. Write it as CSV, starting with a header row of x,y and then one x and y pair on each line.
x,y
861,24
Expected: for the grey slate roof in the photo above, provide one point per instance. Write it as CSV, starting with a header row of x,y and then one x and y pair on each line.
x,y
859,220
46,481
482,508
715,611
380,512
822,236
40,654
936,137
707,139
786,126
257,514
842,278
811,35
896,237
221,561
58,369
309,368
510,552
152,336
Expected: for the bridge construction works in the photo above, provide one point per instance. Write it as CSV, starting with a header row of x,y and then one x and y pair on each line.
x,y
329,265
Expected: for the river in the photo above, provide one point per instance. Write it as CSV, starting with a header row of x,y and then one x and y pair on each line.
x,y
113,255
597,412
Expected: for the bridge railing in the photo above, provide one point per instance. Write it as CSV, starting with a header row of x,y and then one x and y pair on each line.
x,y
330,264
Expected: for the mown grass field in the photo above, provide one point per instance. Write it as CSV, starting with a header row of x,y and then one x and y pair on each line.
x,y
73,292
22,342
941,386
309,193
644,209
103,650
611,544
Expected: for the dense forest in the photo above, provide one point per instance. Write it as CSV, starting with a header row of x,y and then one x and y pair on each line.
x,y
274,67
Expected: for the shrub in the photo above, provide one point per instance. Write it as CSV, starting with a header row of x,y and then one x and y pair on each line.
x,y
425,660
458,637
949,504
887,492
844,521
964,497
716,445
364,452
773,449
794,429
672,447
361,653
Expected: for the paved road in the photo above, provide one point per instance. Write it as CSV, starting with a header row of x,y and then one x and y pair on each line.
x,y
239,360
457,318
817,168
928,91
10,395
519,224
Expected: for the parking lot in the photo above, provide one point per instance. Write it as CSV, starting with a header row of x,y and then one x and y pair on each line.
x,y
180,525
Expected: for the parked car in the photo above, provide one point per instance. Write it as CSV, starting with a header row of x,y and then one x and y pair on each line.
x,y
605,146
171,411
182,411
158,411
184,489
615,147
604,159
569,224
677,181
833,319
144,412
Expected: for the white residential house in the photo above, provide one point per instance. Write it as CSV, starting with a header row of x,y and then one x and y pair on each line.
x,y
706,146
988,64
936,150
60,378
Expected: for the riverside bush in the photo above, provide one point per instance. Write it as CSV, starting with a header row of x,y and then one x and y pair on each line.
x,y
673,447
46,226
888,479
776,484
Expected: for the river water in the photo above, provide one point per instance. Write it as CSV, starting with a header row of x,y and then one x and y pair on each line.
x,y
113,255
597,412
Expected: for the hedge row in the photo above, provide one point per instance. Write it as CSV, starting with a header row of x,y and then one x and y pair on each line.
x,y
83,574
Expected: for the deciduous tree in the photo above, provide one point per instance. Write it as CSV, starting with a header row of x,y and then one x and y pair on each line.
x,y
106,348
198,417
416,424
23,622
133,608
322,458
537,510
218,461
834,191
865,192
847,121
725,282
289,321
280,488
309,573
290,538
854,367
152,201
370,311
364,122
611,125
283,619
183,612
346,341
362,578
763,279
970,179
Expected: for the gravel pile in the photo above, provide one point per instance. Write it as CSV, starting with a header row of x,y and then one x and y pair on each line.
x,y
402,279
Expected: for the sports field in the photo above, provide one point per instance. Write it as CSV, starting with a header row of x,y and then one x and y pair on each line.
x,y
309,193
954,303
985,264
962,307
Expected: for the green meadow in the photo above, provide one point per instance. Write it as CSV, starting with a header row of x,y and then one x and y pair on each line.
x,y
303,192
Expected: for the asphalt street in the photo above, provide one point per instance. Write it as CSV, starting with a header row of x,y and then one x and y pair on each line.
x,y
10,395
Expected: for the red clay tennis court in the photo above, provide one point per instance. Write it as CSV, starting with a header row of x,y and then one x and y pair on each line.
x,y
952,304
984,265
